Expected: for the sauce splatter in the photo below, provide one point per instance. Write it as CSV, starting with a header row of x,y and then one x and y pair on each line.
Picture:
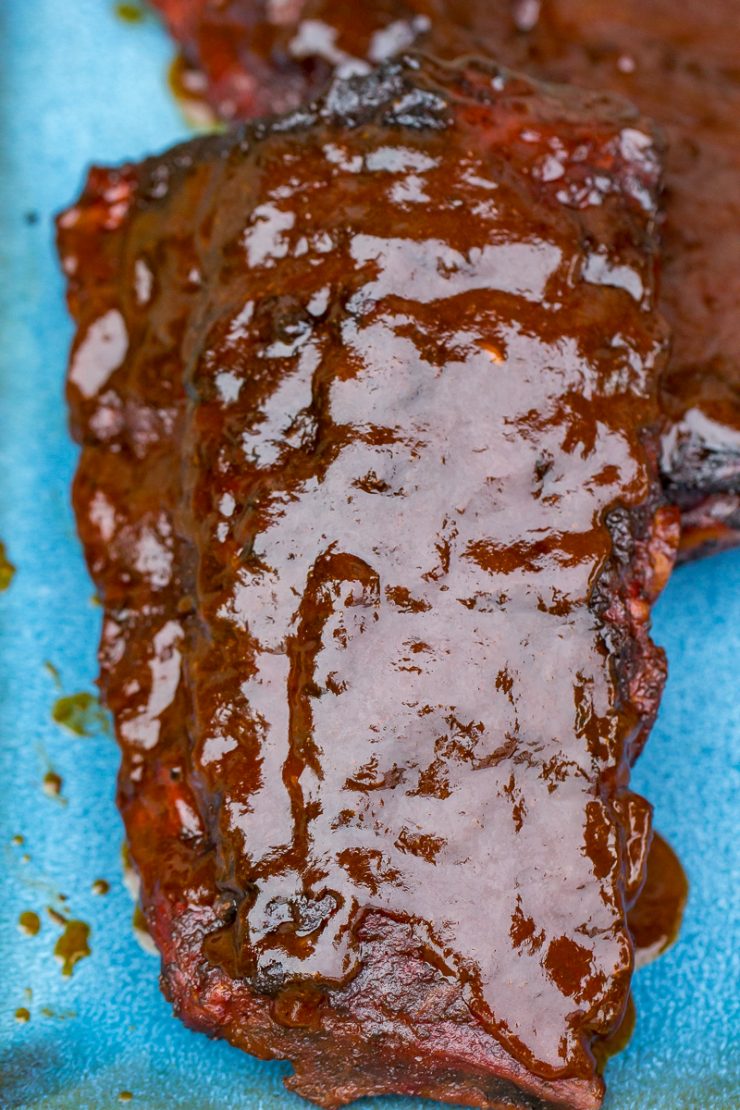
x,y
125,1096
56,916
22,1014
29,923
81,714
17,841
53,672
7,570
72,945
52,785
130,13
100,886
47,1012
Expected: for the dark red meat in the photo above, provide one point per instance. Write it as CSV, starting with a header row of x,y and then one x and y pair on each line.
x,y
369,488
677,62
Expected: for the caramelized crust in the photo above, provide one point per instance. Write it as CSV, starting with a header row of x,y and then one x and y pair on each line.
x,y
678,63
369,488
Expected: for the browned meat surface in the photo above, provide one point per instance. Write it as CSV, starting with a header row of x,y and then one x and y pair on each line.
x,y
369,488
678,62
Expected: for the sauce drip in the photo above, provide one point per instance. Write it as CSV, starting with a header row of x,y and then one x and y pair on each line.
x,y
81,714
654,922
72,945
100,886
655,919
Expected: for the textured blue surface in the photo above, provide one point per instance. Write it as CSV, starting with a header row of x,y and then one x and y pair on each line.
x,y
77,85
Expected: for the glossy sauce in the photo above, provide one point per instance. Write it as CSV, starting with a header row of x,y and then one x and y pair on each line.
x,y
403,534
423,353
654,922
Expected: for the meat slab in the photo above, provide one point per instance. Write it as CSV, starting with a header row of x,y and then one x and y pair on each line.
x,y
369,487
679,65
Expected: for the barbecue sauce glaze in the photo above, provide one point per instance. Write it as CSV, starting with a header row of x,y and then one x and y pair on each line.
x,y
369,489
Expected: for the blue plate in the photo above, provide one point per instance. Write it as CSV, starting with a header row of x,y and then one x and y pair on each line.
x,y
78,85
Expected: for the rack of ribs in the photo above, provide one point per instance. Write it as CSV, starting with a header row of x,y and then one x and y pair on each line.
x,y
369,487
678,64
